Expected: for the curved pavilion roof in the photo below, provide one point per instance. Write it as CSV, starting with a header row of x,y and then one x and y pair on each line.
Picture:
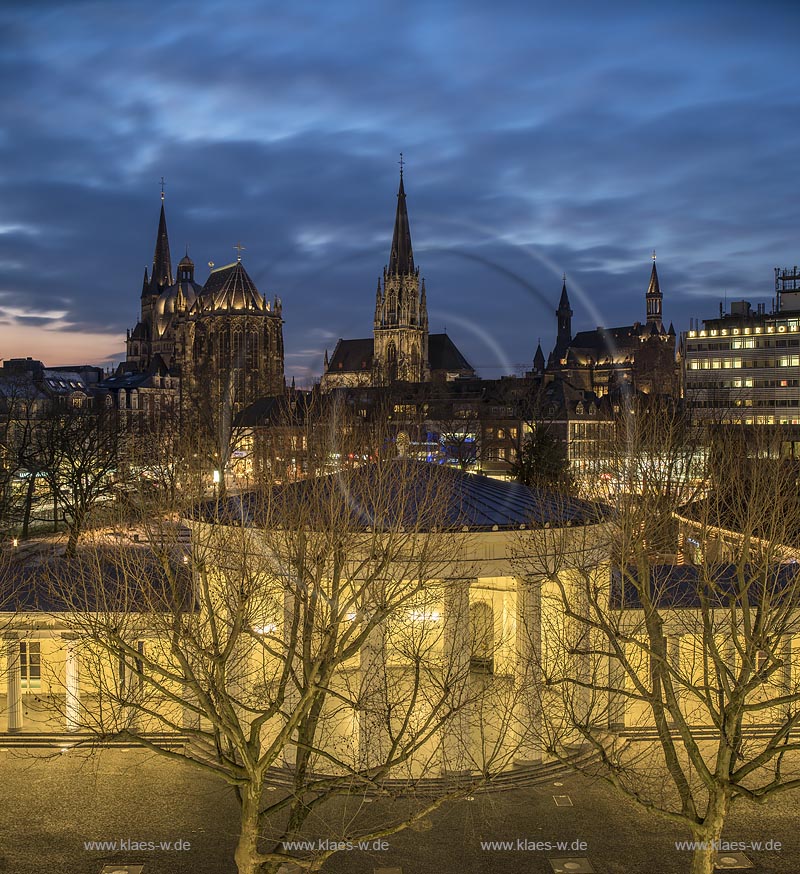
x,y
411,494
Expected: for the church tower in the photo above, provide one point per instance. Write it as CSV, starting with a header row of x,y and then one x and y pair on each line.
x,y
564,336
401,310
654,300
140,341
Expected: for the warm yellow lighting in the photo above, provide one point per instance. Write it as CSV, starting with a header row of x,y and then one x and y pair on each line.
x,y
424,615
15,542
265,629
216,476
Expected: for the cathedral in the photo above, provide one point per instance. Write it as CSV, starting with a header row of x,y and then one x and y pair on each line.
x,y
401,349
224,335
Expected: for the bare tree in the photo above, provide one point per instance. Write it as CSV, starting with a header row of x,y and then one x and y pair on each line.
x,y
303,636
683,643
21,410
77,450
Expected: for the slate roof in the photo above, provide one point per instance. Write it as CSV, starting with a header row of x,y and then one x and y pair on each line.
x,y
125,378
356,355
388,494
280,410
352,355
115,579
443,354
688,587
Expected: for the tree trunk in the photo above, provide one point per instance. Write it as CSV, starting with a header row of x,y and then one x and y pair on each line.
x,y
26,518
74,534
708,837
246,854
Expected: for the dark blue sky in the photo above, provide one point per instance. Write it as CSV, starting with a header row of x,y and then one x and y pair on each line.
x,y
538,139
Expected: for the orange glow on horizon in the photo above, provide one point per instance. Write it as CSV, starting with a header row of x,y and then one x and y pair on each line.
x,y
62,346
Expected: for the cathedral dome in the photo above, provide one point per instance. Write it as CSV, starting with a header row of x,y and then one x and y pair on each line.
x,y
180,296
230,288
177,298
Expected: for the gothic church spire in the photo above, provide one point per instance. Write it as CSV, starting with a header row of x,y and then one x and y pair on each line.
x,y
401,259
161,275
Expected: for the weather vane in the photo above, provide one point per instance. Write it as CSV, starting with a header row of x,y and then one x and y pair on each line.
x,y
239,247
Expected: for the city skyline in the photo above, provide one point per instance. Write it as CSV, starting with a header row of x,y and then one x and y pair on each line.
x,y
535,144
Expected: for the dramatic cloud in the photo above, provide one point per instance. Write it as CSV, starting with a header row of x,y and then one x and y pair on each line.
x,y
538,140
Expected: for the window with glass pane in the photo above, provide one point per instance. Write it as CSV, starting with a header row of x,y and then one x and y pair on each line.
x,y
30,662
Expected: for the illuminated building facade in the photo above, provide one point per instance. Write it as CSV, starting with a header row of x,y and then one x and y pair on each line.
x,y
743,367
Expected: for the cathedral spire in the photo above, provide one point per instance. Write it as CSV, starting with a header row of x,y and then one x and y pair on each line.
x,y
161,275
654,297
401,259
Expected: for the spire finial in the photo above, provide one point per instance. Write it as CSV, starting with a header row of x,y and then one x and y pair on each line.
x,y
162,189
239,248
564,276
654,254
401,162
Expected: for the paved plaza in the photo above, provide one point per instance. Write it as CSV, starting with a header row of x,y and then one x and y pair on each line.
x,y
54,804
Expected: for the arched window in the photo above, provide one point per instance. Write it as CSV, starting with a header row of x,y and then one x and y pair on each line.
x,y
391,361
415,372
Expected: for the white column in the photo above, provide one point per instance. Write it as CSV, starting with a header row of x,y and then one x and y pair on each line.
x,y
72,685
190,718
457,653
786,678
581,704
674,661
528,672
291,697
617,701
13,685
372,698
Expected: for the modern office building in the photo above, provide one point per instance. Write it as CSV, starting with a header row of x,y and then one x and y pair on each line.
x,y
743,366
